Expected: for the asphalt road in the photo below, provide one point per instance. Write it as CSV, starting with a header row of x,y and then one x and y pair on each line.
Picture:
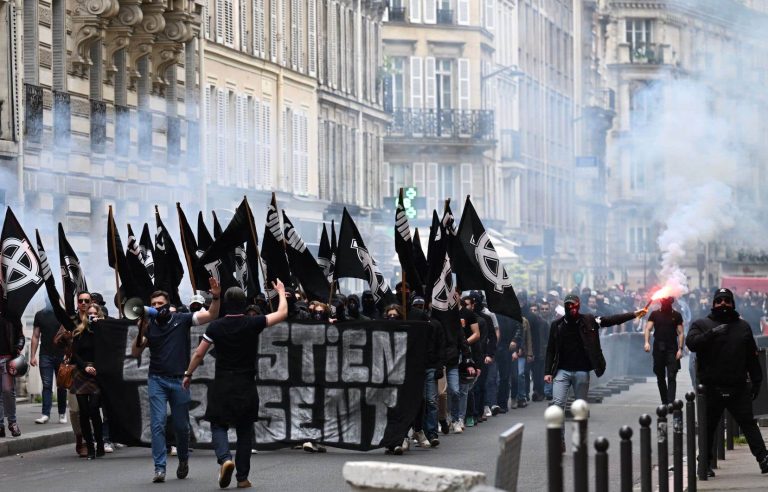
x,y
59,469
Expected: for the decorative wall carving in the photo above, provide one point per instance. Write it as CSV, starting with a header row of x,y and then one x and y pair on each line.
x,y
89,21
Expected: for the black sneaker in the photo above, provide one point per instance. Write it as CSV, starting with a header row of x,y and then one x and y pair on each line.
x,y
159,477
444,427
14,428
495,410
2,431
183,470
764,464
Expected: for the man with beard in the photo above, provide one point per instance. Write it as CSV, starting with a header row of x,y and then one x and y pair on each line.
x,y
233,399
726,353
574,350
667,327
167,336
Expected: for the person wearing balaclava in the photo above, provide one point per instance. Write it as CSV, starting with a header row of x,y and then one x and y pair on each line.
x,y
726,353
353,309
574,350
167,336
369,305
667,327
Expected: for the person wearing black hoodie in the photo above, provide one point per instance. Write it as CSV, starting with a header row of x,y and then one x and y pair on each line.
x,y
726,353
667,327
369,305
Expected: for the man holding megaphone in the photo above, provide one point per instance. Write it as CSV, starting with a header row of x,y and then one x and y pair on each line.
x,y
166,333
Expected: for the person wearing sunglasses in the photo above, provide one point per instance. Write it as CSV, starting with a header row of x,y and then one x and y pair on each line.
x,y
726,353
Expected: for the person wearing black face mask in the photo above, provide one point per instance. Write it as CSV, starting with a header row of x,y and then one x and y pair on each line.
x,y
319,311
353,309
667,327
726,353
369,305
574,350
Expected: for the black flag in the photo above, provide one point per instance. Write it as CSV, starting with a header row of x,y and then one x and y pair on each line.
x,y
441,291
229,244
147,252
484,270
419,257
307,271
117,260
136,266
20,272
354,260
324,255
168,268
192,253
72,276
334,250
57,303
204,238
273,258
404,249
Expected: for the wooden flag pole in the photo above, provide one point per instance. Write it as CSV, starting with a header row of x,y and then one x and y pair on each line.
x,y
117,273
258,255
186,251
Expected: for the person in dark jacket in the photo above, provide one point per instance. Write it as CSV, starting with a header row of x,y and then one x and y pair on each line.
x,y
488,340
574,350
11,344
726,353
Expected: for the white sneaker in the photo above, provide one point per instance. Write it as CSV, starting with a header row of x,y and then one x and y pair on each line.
x,y
62,418
462,424
406,444
109,449
487,412
456,427
42,420
421,440
173,452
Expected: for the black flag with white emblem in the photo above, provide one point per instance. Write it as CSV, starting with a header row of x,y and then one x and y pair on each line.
x,y
168,268
192,252
404,249
354,260
147,252
441,291
303,264
136,265
273,258
72,275
57,303
324,255
483,269
20,272
420,259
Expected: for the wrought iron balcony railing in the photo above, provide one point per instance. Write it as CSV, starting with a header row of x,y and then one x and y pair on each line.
x,y
475,124
33,113
444,16
397,14
650,53
98,126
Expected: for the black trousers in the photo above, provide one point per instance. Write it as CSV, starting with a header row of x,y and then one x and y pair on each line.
x,y
665,367
89,414
738,402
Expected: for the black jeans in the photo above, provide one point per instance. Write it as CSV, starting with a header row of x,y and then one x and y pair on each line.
x,y
503,365
665,367
738,402
89,414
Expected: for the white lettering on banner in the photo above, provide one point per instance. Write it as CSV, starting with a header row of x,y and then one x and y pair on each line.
x,y
273,359
353,373
302,398
271,425
382,399
307,336
385,357
342,416
332,355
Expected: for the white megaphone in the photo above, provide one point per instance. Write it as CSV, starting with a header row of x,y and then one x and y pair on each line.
x,y
134,309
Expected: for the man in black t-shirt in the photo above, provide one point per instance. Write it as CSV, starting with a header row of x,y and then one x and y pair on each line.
x,y
233,399
44,329
667,327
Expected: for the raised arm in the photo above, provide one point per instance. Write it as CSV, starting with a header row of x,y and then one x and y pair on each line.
x,y
203,317
282,307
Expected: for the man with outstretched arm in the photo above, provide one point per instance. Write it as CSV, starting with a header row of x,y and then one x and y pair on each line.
x,y
233,398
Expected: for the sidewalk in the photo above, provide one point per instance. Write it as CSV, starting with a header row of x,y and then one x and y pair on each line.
x,y
739,471
35,436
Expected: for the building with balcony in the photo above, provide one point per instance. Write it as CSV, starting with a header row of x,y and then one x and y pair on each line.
x,y
642,51
442,137
102,110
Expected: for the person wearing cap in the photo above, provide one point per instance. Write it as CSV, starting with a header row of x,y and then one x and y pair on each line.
x,y
574,350
196,303
726,353
667,327
99,299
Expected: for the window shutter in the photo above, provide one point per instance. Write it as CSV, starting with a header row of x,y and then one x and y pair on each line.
x,y
295,34
303,35
490,7
312,37
257,179
229,28
241,119
416,82
322,160
432,186
220,21
419,179
243,26
343,51
463,17
305,153
386,187
221,135
273,31
415,11
266,144
430,82
466,180
333,58
298,186
285,31
207,19
257,18
285,171
430,12
464,83
209,119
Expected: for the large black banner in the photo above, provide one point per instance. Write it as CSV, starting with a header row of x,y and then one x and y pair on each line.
x,y
353,385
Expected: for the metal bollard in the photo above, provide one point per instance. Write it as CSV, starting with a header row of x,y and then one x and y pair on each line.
x,y
690,428
626,458
601,464
554,417
663,449
580,411
645,453
677,444
720,438
701,407
730,428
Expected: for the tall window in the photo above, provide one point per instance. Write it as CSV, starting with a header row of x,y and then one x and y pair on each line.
x,y
637,239
644,101
446,181
443,76
639,35
400,176
398,82
636,173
